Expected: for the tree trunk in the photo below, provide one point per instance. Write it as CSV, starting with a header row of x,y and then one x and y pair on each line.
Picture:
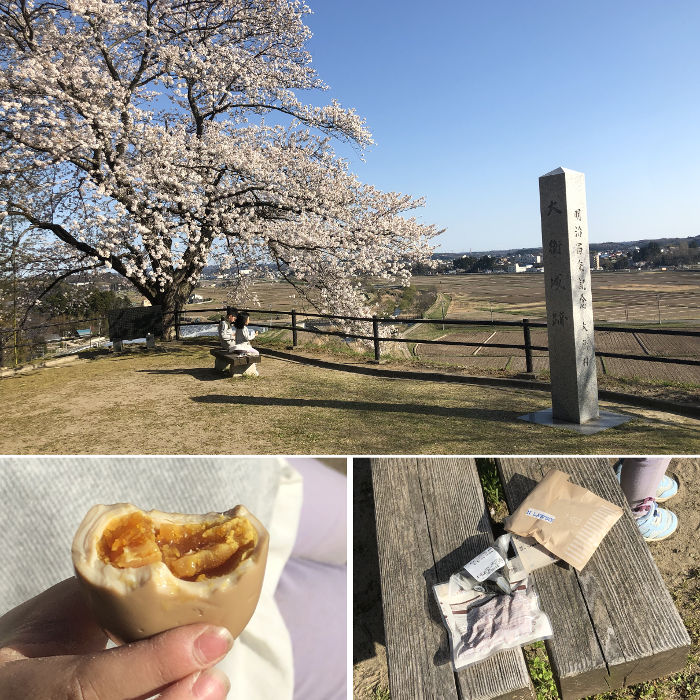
x,y
170,301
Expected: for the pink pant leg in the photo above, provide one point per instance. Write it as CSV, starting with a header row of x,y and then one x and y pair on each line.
x,y
640,477
312,592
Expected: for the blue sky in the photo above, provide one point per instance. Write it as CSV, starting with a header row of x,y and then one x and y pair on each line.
x,y
470,102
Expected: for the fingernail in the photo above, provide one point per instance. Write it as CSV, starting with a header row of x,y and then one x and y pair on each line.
x,y
211,684
212,644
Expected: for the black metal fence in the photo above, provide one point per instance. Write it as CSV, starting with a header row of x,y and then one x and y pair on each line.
x,y
526,325
30,342
67,332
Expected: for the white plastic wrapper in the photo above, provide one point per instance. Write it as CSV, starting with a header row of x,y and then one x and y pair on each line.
x,y
486,616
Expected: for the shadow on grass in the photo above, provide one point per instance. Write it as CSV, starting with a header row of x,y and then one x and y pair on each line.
x,y
639,432
203,374
429,410
93,354
130,352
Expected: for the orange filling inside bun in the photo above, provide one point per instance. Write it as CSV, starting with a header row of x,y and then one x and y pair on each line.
x,y
192,551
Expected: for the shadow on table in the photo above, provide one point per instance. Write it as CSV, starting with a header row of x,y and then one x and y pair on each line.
x,y
368,617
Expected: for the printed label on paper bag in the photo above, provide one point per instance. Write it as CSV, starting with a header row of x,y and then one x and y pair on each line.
x,y
540,515
531,553
483,565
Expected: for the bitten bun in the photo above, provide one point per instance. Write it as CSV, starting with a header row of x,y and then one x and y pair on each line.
x,y
146,572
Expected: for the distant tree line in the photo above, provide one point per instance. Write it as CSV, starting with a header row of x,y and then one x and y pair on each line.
x,y
71,302
472,264
653,255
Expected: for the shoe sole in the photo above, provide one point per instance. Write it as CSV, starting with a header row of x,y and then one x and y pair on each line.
x,y
667,498
659,539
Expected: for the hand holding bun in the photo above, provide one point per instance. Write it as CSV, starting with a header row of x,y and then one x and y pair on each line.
x,y
50,647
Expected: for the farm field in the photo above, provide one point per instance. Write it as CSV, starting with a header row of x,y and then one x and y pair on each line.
x,y
621,298
636,297
513,360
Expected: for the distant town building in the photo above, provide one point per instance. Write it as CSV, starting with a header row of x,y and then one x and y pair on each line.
x,y
595,261
518,268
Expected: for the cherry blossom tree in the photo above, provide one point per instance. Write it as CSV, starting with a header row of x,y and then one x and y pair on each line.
x,y
154,136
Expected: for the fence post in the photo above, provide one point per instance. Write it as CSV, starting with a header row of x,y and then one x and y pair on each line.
x,y
375,333
294,328
528,345
177,323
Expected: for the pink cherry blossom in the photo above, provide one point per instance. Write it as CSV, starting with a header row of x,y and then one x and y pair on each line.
x,y
156,136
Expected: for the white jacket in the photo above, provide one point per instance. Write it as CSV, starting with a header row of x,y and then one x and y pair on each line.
x,y
244,335
227,334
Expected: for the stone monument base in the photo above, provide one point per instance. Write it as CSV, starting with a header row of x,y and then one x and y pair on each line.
x,y
607,419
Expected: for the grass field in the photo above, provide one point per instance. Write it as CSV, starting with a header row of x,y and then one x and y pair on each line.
x,y
172,402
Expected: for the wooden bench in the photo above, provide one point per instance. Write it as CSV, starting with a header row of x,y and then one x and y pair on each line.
x,y
431,520
614,623
237,365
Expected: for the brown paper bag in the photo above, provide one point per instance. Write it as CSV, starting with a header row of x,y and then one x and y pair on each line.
x,y
567,519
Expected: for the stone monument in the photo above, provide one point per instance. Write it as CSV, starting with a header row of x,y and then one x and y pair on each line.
x,y
567,278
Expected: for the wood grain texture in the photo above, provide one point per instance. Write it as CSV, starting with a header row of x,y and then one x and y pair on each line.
x,y
431,520
614,623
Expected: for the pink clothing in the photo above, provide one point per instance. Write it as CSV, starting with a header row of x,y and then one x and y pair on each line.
x,y
312,593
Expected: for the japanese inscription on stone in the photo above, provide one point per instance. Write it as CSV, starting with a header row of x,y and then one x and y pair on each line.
x,y
568,296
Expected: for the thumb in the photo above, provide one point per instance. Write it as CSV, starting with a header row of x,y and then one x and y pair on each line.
x,y
137,670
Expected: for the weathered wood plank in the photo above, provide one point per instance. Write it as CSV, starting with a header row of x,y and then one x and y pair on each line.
x,y
459,529
577,661
431,519
614,623
407,572
625,591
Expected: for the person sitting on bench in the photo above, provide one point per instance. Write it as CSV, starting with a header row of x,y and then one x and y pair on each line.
x,y
227,332
243,336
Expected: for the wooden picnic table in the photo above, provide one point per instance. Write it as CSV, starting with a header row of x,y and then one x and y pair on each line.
x,y
431,520
614,623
